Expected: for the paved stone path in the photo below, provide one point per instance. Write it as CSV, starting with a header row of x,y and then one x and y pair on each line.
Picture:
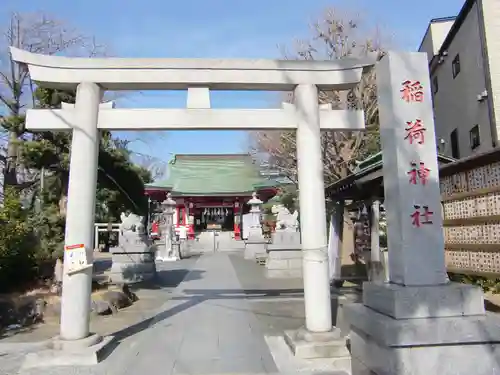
x,y
216,311
205,329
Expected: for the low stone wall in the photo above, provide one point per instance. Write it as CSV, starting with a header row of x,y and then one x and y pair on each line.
x,y
283,262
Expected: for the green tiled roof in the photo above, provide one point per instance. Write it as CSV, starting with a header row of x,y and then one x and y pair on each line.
x,y
376,161
212,174
371,166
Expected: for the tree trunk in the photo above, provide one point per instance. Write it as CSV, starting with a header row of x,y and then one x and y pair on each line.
x,y
63,201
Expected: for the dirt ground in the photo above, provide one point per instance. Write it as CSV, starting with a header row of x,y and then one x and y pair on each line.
x,y
146,306
151,297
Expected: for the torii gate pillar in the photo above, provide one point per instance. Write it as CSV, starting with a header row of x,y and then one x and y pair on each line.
x,y
317,298
80,212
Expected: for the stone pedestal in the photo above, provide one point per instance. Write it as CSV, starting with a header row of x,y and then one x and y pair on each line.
x,y
184,249
133,260
287,238
284,255
85,352
423,330
309,345
255,248
283,262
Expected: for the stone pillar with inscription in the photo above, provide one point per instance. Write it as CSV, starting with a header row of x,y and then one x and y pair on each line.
x,y
418,323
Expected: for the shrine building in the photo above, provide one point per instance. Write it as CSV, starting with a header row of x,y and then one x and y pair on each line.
x,y
211,191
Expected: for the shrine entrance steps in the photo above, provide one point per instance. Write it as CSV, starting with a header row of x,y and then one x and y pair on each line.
x,y
212,242
226,242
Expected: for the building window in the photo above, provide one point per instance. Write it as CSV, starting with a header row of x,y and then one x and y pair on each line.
x,y
474,138
455,151
435,85
455,66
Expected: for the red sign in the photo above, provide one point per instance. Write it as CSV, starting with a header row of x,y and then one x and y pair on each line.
x,y
74,247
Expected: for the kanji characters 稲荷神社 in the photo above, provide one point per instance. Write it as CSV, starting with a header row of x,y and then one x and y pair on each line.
x,y
412,91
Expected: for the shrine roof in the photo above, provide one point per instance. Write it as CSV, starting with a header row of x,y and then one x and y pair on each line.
x,y
367,179
202,174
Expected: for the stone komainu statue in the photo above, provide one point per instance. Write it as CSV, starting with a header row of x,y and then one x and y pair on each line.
x,y
132,222
133,258
284,219
132,230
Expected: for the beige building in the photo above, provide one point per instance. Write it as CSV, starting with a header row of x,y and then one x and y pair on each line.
x,y
464,62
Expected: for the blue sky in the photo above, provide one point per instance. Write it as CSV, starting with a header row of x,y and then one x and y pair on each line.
x,y
219,28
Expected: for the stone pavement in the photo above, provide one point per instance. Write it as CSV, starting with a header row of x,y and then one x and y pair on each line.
x,y
222,318
206,328
283,306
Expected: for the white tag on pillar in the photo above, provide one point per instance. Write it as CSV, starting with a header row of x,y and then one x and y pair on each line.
x,y
76,258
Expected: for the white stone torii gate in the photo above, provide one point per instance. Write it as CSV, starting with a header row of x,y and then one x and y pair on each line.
x,y
90,77
405,326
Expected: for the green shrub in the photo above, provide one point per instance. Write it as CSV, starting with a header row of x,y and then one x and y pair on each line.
x,y
487,284
48,226
18,244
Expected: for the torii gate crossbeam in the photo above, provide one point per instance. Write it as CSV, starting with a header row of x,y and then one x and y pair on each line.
x,y
192,119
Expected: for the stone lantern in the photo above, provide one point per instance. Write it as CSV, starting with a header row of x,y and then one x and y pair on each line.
x,y
166,252
255,244
255,231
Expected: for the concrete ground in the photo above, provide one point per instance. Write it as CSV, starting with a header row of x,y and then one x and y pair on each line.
x,y
216,314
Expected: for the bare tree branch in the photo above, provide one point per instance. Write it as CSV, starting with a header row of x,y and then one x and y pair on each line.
x,y
157,167
36,33
336,35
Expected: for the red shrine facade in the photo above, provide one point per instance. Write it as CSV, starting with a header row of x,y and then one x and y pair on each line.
x,y
211,192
